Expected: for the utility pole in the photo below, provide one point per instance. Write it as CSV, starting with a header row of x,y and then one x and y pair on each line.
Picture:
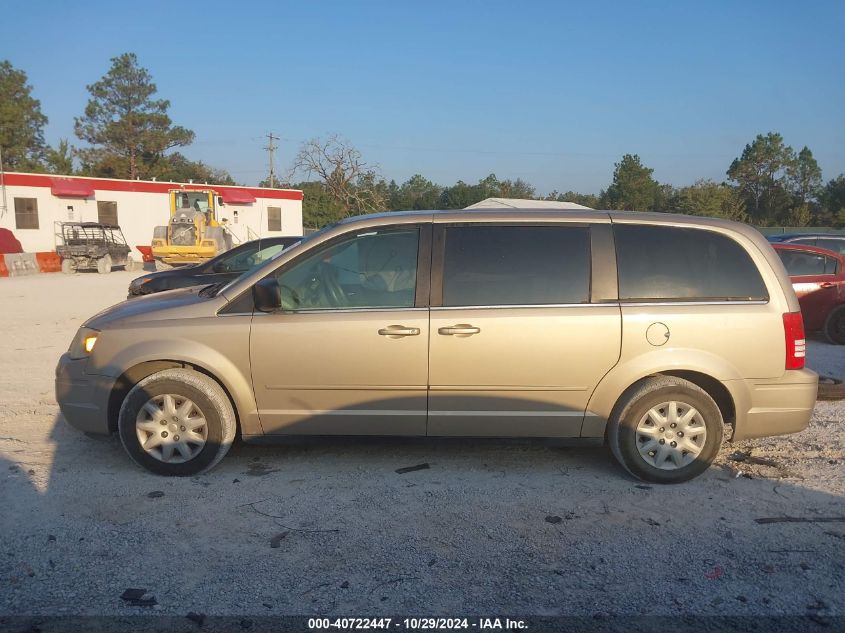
x,y
270,149
2,184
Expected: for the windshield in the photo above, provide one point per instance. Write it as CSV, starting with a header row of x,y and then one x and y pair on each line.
x,y
196,200
267,263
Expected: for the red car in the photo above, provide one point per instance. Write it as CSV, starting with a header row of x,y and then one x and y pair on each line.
x,y
818,276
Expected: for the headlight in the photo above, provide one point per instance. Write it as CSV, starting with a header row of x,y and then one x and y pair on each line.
x,y
137,283
83,343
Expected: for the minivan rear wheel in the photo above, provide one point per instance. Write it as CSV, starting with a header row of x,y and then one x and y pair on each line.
x,y
177,422
665,430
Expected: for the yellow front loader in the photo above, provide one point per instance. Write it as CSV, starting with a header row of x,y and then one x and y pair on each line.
x,y
193,234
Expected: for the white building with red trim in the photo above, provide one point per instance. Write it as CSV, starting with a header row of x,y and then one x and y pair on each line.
x,y
31,205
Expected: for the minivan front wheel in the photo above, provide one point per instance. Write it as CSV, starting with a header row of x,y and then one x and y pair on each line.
x,y
665,430
177,422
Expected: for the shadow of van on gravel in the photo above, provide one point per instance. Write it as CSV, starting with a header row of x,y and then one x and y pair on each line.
x,y
514,527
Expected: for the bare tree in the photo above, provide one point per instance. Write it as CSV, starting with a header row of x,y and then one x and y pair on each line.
x,y
354,184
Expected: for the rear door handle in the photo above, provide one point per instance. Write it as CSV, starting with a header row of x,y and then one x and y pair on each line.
x,y
460,328
399,330
826,284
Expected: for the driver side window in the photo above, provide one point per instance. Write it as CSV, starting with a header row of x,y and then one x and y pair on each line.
x,y
371,269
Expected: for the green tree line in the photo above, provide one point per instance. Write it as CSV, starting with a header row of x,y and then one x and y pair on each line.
x,y
128,134
769,184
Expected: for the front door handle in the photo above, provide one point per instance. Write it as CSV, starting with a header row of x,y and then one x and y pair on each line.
x,y
399,330
826,284
460,328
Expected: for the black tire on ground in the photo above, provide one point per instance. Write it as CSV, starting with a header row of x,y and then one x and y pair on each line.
x,y
210,399
160,265
635,404
129,266
834,326
831,388
104,265
69,266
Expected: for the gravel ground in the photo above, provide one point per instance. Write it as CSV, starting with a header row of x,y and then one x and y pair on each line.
x,y
490,528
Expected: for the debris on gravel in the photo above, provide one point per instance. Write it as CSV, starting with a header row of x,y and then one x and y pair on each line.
x,y
138,598
410,469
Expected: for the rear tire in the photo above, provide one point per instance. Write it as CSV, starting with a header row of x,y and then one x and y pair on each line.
x,y
160,265
69,266
168,403
643,440
104,265
834,326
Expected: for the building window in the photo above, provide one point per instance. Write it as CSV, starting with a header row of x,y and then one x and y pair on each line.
x,y
26,213
107,212
274,219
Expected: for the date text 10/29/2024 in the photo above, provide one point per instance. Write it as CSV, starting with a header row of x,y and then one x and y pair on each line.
x,y
416,624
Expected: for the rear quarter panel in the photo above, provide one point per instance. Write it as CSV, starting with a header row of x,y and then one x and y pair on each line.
x,y
733,342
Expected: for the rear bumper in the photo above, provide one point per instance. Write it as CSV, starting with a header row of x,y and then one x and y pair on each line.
x,y
83,398
778,406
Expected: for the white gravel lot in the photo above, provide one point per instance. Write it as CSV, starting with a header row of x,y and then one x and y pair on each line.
x,y
490,528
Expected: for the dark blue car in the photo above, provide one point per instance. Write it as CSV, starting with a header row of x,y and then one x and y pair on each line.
x,y
223,268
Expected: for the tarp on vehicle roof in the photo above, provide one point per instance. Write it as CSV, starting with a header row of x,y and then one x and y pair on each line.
x,y
519,203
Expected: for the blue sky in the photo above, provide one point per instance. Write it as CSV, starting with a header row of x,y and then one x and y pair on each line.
x,y
551,92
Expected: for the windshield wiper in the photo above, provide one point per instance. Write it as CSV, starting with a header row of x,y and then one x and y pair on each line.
x,y
211,291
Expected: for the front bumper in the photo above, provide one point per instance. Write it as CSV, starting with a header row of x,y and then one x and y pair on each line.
x,y
779,406
83,398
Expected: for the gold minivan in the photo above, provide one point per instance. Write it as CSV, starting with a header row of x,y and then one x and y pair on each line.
x,y
647,332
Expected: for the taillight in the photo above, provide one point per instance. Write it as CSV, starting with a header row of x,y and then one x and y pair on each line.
x,y
796,344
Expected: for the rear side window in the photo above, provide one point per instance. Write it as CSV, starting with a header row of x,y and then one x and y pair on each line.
x,y
799,263
837,246
665,263
516,265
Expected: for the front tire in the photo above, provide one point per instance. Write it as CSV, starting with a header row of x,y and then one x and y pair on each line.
x,y
104,265
129,266
160,265
665,430
177,422
834,327
69,266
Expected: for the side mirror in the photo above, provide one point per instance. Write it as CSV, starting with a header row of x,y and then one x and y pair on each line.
x,y
267,295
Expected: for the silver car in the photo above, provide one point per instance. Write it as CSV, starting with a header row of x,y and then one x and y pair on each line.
x,y
651,333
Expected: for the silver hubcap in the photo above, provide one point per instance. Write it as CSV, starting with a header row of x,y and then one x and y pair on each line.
x,y
171,428
671,435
